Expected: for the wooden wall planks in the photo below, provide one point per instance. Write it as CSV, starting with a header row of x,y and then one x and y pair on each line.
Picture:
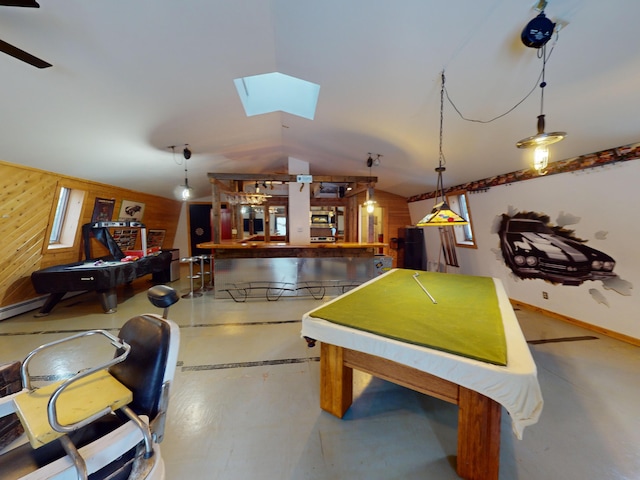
x,y
27,203
395,212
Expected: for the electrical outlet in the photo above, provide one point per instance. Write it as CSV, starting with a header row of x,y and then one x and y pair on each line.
x,y
545,295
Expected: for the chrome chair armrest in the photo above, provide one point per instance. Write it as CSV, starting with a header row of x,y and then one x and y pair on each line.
x,y
115,341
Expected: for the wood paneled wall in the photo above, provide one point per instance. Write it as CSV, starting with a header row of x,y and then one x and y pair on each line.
x,y
395,211
27,202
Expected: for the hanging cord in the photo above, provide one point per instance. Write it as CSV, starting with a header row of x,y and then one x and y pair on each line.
x,y
543,83
186,181
173,150
441,159
541,54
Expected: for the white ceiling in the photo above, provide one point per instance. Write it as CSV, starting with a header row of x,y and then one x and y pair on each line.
x,y
130,78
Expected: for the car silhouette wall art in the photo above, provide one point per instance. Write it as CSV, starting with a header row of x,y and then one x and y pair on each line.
x,y
533,249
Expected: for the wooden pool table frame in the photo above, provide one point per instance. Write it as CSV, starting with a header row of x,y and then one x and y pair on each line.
x,y
478,415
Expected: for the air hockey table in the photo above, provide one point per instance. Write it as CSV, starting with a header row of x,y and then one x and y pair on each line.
x,y
102,274
95,275
454,337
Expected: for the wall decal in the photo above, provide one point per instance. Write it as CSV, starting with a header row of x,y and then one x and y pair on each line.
x,y
532,248
598,296
565,219
623,287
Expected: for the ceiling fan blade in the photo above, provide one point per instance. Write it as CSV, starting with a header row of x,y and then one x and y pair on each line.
x,y
20,3
22,55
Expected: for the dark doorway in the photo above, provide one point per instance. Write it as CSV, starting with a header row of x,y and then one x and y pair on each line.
x,y
199,227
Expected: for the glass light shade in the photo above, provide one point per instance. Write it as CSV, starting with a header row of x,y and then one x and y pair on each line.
x,y
370,204
183,192
442,215
541,159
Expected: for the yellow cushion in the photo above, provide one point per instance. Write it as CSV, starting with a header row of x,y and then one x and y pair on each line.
x,y
82,399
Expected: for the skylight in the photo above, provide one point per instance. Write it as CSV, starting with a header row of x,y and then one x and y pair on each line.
x,y
273,92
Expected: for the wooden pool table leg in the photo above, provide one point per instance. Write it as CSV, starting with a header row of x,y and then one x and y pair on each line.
x,y
478,436
336,381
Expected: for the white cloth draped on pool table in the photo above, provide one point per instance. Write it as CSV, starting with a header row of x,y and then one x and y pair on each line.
x,y
515,386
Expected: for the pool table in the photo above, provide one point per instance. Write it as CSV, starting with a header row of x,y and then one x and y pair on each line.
x,y
479,388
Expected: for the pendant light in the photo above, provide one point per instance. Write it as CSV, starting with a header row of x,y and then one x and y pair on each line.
x,y
370,203
441,214
536,35
183,192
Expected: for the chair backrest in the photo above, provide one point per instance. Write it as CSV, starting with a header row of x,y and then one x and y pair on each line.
x,y
143,371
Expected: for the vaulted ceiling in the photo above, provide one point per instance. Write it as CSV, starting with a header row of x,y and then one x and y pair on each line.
x,y
130,78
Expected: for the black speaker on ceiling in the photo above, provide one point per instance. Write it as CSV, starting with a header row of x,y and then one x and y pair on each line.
x,y
538,31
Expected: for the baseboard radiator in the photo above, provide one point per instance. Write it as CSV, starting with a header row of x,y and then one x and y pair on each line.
x,y
14,309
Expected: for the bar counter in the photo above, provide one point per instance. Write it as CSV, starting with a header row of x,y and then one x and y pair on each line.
x,y
271,270
252,249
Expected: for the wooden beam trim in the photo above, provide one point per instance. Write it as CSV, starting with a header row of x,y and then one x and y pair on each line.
x,y
279,177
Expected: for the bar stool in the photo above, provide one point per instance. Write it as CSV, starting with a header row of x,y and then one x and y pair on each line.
x,y
201,273
191,277
209,258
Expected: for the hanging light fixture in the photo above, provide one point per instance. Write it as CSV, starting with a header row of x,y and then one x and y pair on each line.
x,y
536,35
183,192
441,214
370,203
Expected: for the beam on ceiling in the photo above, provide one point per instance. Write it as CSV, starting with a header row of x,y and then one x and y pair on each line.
x,y
280,177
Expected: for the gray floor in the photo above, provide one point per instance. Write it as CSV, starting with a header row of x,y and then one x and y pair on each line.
x,y
245,400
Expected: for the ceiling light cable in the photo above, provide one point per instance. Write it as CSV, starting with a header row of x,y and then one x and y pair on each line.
x,y
542,55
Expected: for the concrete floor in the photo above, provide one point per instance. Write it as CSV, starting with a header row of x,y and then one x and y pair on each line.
x,y
244,403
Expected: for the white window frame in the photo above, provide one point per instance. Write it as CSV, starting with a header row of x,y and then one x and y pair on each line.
x,y
464,234
66,219
58,218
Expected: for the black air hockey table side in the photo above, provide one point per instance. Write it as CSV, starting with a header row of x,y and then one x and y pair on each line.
x,y
102,275
75,277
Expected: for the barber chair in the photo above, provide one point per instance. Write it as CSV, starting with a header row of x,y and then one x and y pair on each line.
x,y
107,421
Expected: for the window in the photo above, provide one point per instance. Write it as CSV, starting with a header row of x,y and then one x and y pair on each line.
x,y
64,224
58,219
458,202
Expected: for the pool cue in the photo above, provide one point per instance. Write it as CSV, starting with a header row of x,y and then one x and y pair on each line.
x,y
415,277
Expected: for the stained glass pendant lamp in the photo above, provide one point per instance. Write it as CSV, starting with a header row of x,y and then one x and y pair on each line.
x,y
441,214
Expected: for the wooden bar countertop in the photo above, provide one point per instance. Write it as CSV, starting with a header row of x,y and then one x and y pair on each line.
x,y
250,249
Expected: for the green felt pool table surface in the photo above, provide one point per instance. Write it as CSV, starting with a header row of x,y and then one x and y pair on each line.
x,y
464,320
